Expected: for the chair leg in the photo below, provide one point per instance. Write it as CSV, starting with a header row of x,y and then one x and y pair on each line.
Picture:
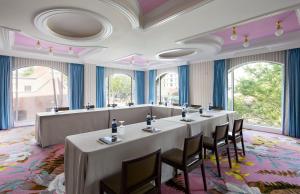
x,y
187,184
204,153
218,163
203,176
235,150
158,185
228,154
101,188
175,172
243,146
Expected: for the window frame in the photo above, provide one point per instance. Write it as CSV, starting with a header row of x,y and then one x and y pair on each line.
x,y
158,83
108,88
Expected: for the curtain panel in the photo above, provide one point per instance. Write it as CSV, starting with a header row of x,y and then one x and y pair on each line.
x,y
219,85
76,86
152,80
184,84
100,86
292,78
140,86
5,92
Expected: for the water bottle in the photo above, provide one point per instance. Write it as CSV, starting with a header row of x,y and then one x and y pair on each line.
x,y
148,120
114,128
183,113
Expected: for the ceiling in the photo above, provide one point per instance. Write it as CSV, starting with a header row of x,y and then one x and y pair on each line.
x,y
145,34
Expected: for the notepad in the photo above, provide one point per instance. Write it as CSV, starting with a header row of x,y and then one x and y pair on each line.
x,y
187,120
109,140
151,130
206,115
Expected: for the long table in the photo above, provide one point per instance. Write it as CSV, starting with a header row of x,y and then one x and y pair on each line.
x,y
52,128
88,161
203,124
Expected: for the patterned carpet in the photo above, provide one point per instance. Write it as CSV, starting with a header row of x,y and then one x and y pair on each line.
x,y
271,165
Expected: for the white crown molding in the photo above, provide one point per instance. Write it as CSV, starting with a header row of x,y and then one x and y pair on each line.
x,y
170,10
298,14
125,9
5,39
41,23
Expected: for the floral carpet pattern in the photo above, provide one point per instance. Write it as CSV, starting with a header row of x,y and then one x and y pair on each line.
x,y
271,165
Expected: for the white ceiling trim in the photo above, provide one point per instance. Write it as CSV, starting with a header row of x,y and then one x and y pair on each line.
x,y
125,9
41,23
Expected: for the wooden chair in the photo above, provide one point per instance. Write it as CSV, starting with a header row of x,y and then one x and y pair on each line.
x,y
236,136
188,159
130,104
217,143
195,106
63,108
136,177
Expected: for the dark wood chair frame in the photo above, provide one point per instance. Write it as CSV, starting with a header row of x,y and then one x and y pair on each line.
x,y
237,136
219,145
190,162
156,177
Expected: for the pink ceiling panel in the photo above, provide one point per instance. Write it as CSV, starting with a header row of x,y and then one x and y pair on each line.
x,y
261,28
149,5
26,41
134,59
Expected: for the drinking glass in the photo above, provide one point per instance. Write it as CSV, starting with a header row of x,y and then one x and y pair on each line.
x,y
121,128
154,117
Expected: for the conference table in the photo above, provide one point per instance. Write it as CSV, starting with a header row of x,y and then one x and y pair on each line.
x,y
87,161
206,122
53,127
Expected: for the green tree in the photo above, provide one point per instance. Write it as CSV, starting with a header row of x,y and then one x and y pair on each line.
x,y
120,88
257,95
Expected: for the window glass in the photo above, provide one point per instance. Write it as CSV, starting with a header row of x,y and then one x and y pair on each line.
x,y
257,93
167,88
119,87
37,89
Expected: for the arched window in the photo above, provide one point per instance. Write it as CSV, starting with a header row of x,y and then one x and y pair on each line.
x,y
119,89
255,92
167,88
37,89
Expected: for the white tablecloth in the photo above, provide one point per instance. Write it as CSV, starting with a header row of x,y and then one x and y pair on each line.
x,y
52,128
87,161
205,124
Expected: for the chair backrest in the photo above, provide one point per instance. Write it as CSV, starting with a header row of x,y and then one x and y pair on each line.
x,y
192,147
221,133
195,106
215,108
237,126
63,108
130,104
140,171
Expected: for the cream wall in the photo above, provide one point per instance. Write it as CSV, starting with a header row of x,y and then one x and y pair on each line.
x,y
201,83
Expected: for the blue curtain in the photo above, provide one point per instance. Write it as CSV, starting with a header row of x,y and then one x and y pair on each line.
x,y
220,77
5,90
100,96
140,86
184,82
152,79
76,86
293,78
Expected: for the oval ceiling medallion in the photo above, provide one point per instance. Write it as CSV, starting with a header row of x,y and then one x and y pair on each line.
x,y
176,53
73,24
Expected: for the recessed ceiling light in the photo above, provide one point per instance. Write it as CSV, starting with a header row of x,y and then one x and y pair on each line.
x,y
279,30
234,34
246,42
